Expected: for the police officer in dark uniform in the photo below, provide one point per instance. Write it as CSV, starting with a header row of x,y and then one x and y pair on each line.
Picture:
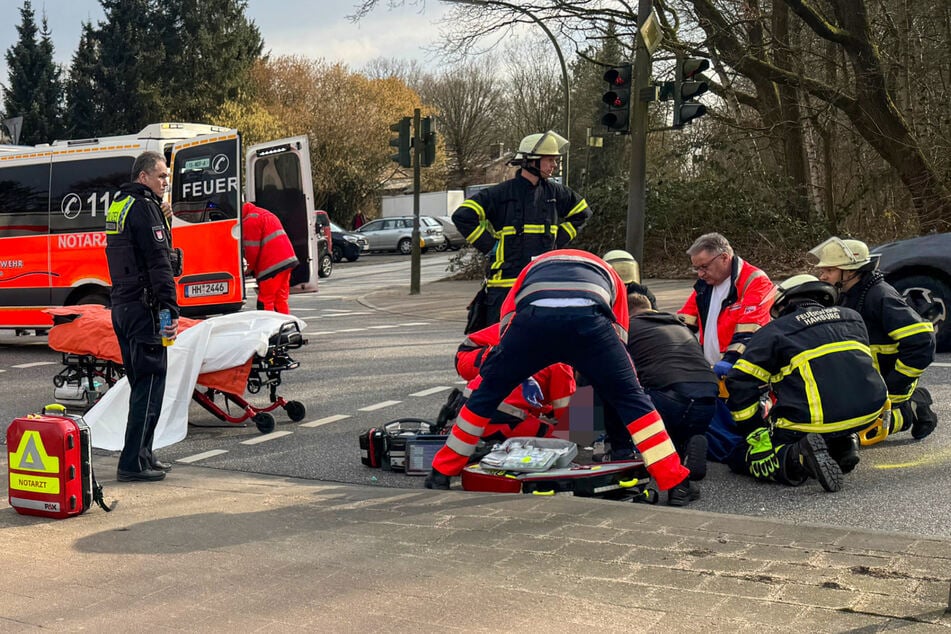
x,y
140,256
519,219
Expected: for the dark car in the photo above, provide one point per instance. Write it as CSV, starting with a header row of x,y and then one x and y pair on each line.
x,y
454,239
347,244
920,269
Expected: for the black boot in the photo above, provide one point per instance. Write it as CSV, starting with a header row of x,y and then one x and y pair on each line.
x,y
683,494
815,460
925,418
436,480
695,457
845,451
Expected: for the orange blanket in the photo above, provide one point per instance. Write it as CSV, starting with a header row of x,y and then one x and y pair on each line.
x,y
91,333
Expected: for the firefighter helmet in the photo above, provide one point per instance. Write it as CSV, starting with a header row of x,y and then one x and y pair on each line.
x,y
535,146
837,253
625,265
803,286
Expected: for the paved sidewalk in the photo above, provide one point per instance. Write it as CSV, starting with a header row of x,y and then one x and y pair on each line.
x,y
214,551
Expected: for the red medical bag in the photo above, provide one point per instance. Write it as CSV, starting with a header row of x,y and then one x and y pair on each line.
x,y
50,465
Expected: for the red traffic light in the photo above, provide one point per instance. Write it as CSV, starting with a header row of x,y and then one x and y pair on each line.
x,y
620,76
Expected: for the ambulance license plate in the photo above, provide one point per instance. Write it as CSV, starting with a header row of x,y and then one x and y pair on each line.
x,y
208,289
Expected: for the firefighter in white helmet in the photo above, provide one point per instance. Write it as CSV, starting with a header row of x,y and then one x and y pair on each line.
x,y
902,343
521,218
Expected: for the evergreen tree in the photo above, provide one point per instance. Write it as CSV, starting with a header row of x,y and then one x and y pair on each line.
x,y
35,89
210,46
84,106
131,66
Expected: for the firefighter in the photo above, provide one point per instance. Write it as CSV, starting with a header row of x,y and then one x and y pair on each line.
x,y
530,409
516,220
270,256
813,361
141,266
903,344
566,306
730,301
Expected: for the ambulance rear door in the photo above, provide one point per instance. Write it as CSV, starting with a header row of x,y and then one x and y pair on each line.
x,y
279,179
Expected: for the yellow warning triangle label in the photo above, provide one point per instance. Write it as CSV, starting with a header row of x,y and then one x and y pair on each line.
x,y
31,455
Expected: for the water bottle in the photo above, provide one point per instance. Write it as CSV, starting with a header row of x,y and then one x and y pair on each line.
x,y
165,320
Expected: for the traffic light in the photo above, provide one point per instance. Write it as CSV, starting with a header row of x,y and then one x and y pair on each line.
x,y
687,89
428,136
402,142
618,98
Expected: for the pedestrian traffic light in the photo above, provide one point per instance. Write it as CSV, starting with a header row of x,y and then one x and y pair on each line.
x,y
428,136
688,86
402,142
618,98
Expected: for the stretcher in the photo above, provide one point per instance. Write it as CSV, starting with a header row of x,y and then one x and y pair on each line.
x,y
93,364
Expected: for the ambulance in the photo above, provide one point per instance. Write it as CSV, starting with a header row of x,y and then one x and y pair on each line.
x,y
54,197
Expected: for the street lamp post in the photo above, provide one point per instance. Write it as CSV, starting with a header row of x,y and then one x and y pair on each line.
x,y
561,60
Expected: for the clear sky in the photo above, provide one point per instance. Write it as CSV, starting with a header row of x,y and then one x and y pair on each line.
x,y
314,28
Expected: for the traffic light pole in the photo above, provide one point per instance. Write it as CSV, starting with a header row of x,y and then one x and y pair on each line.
x,y
637,192
415,263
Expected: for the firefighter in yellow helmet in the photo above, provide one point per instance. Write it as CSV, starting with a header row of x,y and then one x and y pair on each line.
x,y
902,343
516,220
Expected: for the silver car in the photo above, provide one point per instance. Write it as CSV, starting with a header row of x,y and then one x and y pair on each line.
x,y
396,234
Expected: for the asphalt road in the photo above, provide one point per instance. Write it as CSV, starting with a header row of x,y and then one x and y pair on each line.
x,y
362,368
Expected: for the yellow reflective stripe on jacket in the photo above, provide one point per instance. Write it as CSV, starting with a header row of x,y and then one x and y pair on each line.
x,y
813,399
807,356
898,399
116,215
569,229
577,209
746,413
540,229
907,370
843,425
753,370
912,329
483,225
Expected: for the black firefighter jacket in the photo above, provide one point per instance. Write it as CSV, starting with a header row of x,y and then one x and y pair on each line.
x,y
524,220
817,363
902,343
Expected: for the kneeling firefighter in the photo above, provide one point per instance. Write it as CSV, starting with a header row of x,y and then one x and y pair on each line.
x,y
903,344
814,361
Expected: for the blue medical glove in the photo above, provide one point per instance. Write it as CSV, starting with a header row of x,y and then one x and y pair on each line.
x,y
722,368
532,392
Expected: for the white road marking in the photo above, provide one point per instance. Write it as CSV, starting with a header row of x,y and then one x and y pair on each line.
x,y
941,364
266,437
202,456
352,330
343,314
23,366
322,332
325,420
383,326
432,390
416,323
373,408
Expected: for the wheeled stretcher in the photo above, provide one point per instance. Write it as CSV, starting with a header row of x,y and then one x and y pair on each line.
x,y
93,364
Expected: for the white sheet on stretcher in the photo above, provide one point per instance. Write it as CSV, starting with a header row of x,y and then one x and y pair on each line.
x,y
215,344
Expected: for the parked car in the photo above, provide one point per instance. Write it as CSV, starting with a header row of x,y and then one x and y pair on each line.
x,y
325,261
454,239
347,244
920,269
396,234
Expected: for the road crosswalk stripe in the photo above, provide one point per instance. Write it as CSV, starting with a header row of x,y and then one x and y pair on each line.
x,y
373,408
202,456
432,390
325,420
266,437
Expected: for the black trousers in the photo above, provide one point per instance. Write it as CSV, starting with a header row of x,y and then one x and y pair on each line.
x,y
146,362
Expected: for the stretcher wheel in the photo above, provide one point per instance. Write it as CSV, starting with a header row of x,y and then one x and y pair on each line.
x,y
295,410
58,381
264,421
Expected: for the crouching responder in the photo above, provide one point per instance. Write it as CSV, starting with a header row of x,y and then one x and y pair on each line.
x,y
902,343
815,362
566,306
518,219
531,409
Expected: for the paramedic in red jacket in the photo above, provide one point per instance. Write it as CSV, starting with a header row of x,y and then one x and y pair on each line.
x,y
730,301
532,411
566,306
270,257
